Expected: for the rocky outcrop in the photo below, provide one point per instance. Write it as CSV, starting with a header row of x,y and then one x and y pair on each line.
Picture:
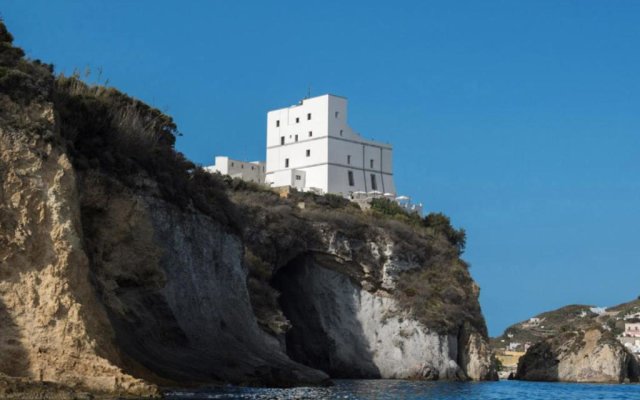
x,y
342,329
174,285
591,355
52,326
349,332
124,268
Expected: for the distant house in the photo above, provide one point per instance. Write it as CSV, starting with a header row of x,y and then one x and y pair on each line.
x,y
632,329
247,171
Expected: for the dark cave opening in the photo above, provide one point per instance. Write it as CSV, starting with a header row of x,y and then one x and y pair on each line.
x,y
325,333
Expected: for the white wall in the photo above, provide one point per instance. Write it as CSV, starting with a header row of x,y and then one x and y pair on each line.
x,y
331,143
248,171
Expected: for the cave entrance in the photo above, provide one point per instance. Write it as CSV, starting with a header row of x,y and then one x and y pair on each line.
x,y
325,332
307,342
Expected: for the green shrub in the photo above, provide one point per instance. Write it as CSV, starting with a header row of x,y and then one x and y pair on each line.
x,y
387,207
440,223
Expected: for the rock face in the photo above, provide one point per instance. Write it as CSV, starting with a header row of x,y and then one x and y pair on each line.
x,y
591,355
52,326
124,268
350,333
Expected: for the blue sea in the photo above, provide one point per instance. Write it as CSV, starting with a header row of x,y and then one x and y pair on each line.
x,y
414,390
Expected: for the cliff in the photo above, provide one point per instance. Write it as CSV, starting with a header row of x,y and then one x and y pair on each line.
x,y
124,267
590,355
575,343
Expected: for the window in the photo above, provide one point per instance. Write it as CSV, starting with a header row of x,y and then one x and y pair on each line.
x,y
277,123
297,120
309,117
308,153
242,166
281,139
298,177
296,138
350,175
349,159
371,163
340,132
286,163
337,114
232,165
252,167
310,134
374,184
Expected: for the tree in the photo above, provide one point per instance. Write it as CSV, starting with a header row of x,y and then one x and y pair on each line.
x,y
440,223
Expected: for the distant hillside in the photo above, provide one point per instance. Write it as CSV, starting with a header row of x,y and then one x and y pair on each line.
x,y
571,317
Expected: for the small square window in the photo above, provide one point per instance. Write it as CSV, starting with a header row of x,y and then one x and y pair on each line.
x,y
286,163
308,153
281,139
337,114
277,123
298,177
297,120
309,117
310,133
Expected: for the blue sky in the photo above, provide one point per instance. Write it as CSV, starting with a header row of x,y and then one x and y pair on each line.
x,y
519,119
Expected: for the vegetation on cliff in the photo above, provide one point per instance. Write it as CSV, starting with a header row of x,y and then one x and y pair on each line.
x,y
438,290
555,342
566,319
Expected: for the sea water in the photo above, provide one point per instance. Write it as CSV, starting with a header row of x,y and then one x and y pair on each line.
x,y
414,390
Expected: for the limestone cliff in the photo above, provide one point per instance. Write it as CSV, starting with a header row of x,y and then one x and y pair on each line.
x,y
124,267
364,296
590,355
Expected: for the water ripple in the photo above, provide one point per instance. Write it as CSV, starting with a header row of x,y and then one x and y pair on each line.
x,y
417,390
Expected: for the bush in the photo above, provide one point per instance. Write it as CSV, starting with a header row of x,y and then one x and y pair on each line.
x,y
335,201
392,209
107,130
22,83
440,223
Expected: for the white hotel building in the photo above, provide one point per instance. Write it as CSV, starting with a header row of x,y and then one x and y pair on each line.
x,y
310,146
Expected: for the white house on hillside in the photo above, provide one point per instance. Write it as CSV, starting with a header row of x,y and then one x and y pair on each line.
x,y
249,171
310,146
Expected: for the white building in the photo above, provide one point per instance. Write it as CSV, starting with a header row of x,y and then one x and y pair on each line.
x,y
631,336
632,329
248,171
310,146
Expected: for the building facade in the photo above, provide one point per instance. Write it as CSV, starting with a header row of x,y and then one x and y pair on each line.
x,y
310,146
632,329
248,171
